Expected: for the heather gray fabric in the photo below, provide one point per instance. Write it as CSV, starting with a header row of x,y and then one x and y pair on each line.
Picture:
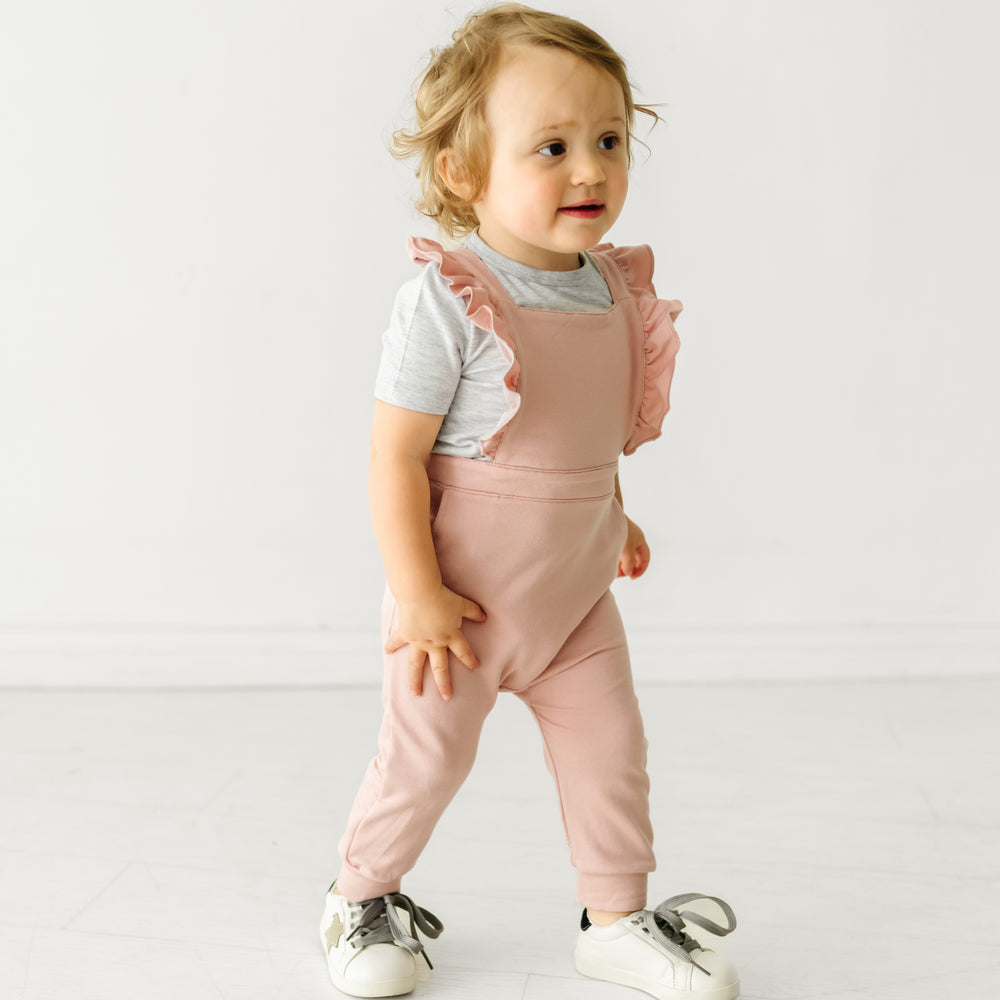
x,y
436,361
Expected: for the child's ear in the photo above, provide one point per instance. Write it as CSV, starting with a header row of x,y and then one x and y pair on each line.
x,y
452,171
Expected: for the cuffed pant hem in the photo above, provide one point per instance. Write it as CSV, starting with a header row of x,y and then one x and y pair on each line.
x,y
624,893
357,888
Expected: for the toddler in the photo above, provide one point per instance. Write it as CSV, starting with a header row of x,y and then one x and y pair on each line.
x,y
515,371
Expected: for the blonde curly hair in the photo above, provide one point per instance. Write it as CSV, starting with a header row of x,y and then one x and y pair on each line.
x,y
451,94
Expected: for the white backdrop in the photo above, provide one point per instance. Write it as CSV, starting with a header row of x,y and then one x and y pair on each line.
x,y
200,237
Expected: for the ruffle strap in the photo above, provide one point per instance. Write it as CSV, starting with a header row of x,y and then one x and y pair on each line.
x,y
482,310
661,342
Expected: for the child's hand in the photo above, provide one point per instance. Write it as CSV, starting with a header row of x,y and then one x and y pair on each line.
x,y
431,627
635,556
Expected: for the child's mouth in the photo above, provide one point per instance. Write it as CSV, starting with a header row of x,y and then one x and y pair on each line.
x,y
590,210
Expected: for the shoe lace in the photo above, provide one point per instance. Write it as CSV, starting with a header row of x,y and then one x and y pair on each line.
x,y
380,924
666,925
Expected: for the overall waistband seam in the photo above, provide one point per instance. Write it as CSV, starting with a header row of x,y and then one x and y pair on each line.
x,y
496,479
520,496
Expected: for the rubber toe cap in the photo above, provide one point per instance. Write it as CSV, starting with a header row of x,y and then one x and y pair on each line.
x,y
724,979
382,962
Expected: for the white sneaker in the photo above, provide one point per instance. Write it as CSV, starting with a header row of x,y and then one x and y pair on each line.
x,y
368,951
650,950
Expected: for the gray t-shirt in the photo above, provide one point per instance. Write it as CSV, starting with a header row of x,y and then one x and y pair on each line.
x,y
436,360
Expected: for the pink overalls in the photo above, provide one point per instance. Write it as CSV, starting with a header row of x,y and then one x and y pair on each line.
x,y
534,538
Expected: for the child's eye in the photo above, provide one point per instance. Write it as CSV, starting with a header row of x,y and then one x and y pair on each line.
x,y
609,142
553,149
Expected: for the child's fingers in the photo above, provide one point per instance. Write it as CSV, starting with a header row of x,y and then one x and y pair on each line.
x,y
415,670
463,651
473,612
633,562
441,672
641,561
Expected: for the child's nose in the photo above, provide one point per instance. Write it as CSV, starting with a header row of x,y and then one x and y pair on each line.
x,y
587,168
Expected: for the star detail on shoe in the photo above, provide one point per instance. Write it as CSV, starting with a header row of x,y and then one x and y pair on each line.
x,y
334,932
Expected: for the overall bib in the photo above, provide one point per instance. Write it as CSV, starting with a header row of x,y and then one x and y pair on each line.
x,y
534,537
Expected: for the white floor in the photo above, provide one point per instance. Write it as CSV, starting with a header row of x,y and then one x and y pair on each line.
x,y
177,845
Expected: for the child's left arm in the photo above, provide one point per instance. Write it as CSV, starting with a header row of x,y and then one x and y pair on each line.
x,y
635,556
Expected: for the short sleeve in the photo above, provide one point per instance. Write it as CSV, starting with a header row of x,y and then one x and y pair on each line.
x,y
469,288
422,349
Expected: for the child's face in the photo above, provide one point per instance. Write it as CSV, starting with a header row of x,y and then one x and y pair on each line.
x,y
558,134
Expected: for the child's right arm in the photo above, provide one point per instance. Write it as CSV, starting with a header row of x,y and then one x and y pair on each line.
x,y
430,615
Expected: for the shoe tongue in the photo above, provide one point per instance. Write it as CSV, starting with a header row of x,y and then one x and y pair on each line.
x,y
376,929
676,934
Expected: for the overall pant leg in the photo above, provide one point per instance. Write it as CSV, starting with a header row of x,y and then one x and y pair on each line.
x,y
595,748
427,747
